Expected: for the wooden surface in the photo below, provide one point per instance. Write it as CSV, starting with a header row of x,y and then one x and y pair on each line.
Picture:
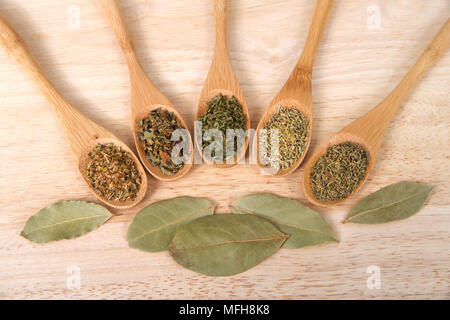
x,y
366,49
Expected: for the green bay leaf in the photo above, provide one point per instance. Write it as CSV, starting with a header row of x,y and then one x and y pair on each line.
x,y
154,226
64,220
305,226
395,202
225,244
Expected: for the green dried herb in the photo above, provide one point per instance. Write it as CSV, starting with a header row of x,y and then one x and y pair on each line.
x,y
64,220
339,171
305,226
395,202
225,244
112,173
224,113
292,126
155,133
154,226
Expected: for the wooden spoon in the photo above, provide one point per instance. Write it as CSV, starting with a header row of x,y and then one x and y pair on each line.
x,y
368,131
82,133
296,92
145,97
222,80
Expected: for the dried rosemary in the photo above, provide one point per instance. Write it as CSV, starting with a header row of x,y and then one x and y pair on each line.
x,y
224,113
339,171
155,133
112,173
292,129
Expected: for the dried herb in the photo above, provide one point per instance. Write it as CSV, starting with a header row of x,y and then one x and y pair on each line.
x,y
339,171
292,132
112,173
224,113
155,134
305,226
225,244
395,202
154,226
64,220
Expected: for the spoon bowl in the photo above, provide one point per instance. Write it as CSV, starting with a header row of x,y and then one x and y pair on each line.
x,y
83,161
154,170
82,133
271,111
145,96
203,107
296,92
338,138
368,131
222,80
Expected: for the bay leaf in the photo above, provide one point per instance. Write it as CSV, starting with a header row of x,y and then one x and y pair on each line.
x,y
154,226
64,220
395,202
225,244
305,226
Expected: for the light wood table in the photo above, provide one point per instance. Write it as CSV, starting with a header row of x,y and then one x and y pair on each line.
x,y
366,49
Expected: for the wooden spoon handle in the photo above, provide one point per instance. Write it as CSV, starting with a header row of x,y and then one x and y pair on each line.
x,y
78,128
318,24
432,53
372,126
117,22
221,19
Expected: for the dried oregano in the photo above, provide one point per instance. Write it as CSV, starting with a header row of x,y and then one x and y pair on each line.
x,y
339,171
292,130
224,113
155,134
112,173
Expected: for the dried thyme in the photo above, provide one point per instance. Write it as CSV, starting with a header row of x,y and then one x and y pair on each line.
x,y
112,173
155,133
292,126
339,171
224,113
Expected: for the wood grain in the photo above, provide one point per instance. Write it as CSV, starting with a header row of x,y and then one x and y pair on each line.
x,y
360,59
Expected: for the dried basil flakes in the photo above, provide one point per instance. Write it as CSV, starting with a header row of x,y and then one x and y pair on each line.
x,y
155,135
223,113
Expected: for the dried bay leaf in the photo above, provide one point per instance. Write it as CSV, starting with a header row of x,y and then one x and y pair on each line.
x,y
154,226
225,244
305,226
64,220
395,202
